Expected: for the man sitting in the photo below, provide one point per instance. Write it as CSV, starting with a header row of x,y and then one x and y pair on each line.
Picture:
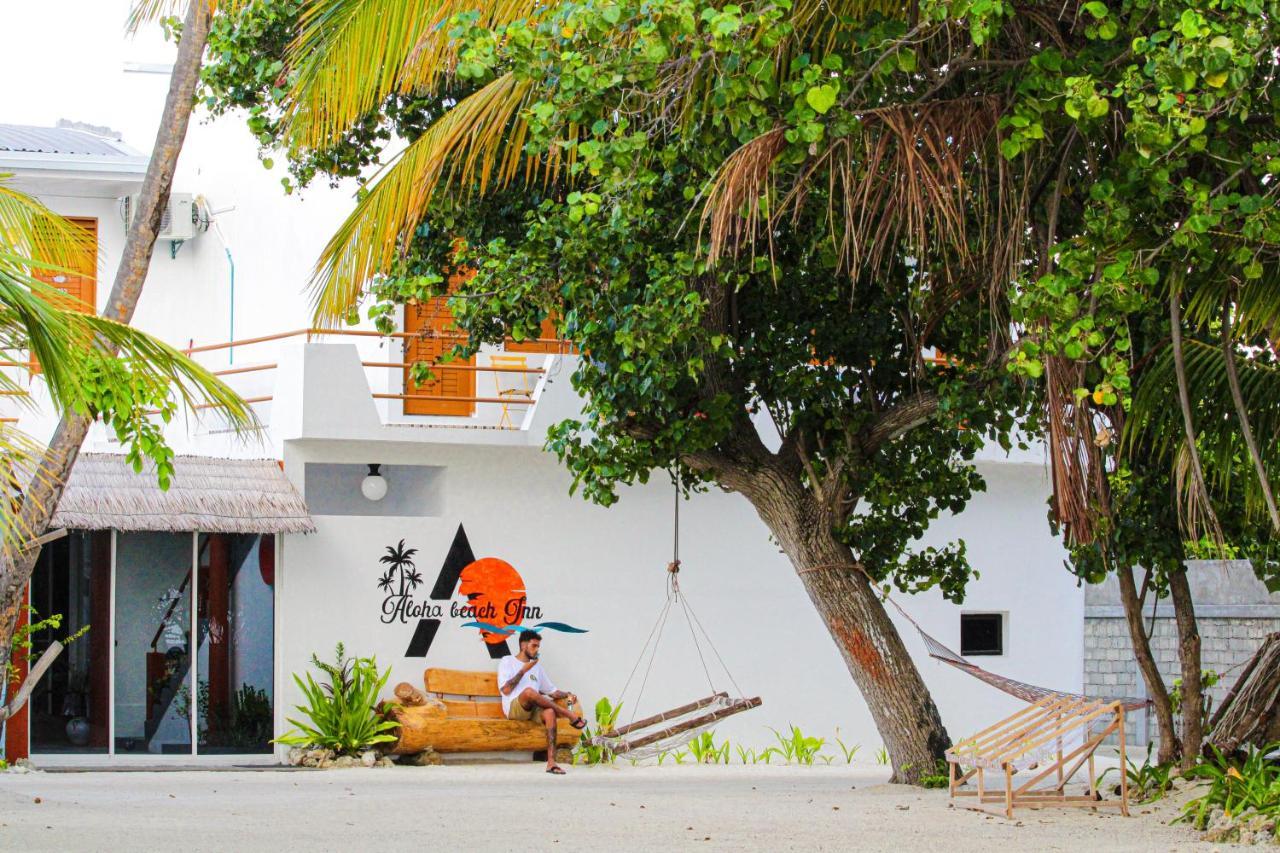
x,y
527,693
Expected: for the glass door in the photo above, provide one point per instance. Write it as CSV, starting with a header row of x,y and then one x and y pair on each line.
x,y
154,627
236,650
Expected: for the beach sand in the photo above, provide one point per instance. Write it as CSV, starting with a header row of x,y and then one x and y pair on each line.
x,y
518,807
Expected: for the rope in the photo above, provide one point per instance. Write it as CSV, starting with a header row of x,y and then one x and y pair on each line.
x,y
645,681
715,651
673,597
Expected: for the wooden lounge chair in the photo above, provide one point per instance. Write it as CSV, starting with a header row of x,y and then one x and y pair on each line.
x,y
1051,738
461,711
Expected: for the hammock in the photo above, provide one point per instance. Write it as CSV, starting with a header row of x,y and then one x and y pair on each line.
x,y
1024,691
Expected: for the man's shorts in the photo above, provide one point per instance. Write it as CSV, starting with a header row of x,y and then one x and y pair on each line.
x,y
518,712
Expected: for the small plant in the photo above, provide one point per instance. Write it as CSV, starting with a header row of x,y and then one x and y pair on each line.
x,y
1208,679
848,751
745,753
796,747
680,755
587,751
1252,787
22,639
343,711
704,749
882,756
827,759
940,778
1148,782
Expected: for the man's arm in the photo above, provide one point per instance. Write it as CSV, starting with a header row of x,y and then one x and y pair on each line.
x,y
510,683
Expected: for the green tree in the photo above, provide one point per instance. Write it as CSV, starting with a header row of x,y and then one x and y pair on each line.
x,y
834,344
109,376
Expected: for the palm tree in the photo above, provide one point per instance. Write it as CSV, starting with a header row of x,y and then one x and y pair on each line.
x,y
400,558
40,500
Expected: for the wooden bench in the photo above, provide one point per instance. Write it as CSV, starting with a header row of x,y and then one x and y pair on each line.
x,y
461,711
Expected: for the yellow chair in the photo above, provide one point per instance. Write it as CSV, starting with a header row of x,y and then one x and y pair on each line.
x,y
511,382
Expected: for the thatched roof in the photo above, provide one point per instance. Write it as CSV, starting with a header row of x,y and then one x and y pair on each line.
x,y
207,494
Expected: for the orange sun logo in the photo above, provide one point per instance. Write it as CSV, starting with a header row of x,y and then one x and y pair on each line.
x,y
494,587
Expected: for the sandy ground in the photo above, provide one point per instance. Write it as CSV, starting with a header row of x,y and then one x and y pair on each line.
x,y
517,807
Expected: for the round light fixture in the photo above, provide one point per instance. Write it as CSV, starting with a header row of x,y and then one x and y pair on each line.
x,y
374,486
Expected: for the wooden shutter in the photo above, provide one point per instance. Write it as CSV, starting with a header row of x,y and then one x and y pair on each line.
x,y
434,315
80,287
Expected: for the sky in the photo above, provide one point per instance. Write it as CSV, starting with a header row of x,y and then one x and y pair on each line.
x,y
66,59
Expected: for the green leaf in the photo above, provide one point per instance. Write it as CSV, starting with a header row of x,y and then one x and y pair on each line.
x,y
821,98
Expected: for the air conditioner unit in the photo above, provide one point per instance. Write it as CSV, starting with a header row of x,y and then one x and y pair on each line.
x,y
182,219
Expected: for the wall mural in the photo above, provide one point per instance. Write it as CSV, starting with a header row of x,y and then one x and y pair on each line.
x,y
497,604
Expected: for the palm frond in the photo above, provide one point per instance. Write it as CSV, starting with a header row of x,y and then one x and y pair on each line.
x,y
153,11
351,54
903,184
1155,427
476,144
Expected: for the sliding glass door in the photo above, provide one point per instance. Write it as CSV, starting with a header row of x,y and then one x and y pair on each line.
x,y
236,652
177,652
153,643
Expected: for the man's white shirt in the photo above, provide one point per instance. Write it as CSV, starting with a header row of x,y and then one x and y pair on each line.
x,y
535,678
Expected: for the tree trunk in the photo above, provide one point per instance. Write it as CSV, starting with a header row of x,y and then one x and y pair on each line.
x,y
1156,689
1189,656
45,491
900,704
1242,414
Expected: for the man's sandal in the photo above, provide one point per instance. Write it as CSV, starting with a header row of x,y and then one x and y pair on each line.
x,y
556,771
580,723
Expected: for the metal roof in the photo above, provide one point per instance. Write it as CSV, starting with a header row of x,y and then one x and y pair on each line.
x,y
60,140
207,494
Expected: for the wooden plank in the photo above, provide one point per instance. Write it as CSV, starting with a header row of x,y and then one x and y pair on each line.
x,y
461,682
473,734
488,710
667,715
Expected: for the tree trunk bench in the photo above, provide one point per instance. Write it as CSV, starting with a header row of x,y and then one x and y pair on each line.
x,y
461,711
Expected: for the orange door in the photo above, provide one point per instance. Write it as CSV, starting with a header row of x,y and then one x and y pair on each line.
x,y
81,287
433,315
546,342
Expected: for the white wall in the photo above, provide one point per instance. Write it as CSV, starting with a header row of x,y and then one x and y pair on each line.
x,y
604,570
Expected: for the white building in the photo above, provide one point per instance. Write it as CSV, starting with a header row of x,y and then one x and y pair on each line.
x,y
330,406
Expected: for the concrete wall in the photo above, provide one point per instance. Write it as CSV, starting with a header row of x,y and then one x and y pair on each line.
x,y
603,570
1234,613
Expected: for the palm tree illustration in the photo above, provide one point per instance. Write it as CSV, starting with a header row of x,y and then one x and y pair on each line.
x,y
398,558
387,580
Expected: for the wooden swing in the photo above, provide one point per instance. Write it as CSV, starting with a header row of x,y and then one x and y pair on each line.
x,y
672,728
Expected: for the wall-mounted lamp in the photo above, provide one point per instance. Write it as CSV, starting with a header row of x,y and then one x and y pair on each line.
x,y
374,486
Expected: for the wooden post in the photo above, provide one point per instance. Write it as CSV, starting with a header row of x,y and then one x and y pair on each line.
x,y
1008,790
1124,768
1061,781
98,707
217,597
951,779
982,789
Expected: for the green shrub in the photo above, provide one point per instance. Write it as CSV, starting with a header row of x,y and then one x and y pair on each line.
x,y
586,752
1148,782
705,750
795,746
343,711
1251,787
